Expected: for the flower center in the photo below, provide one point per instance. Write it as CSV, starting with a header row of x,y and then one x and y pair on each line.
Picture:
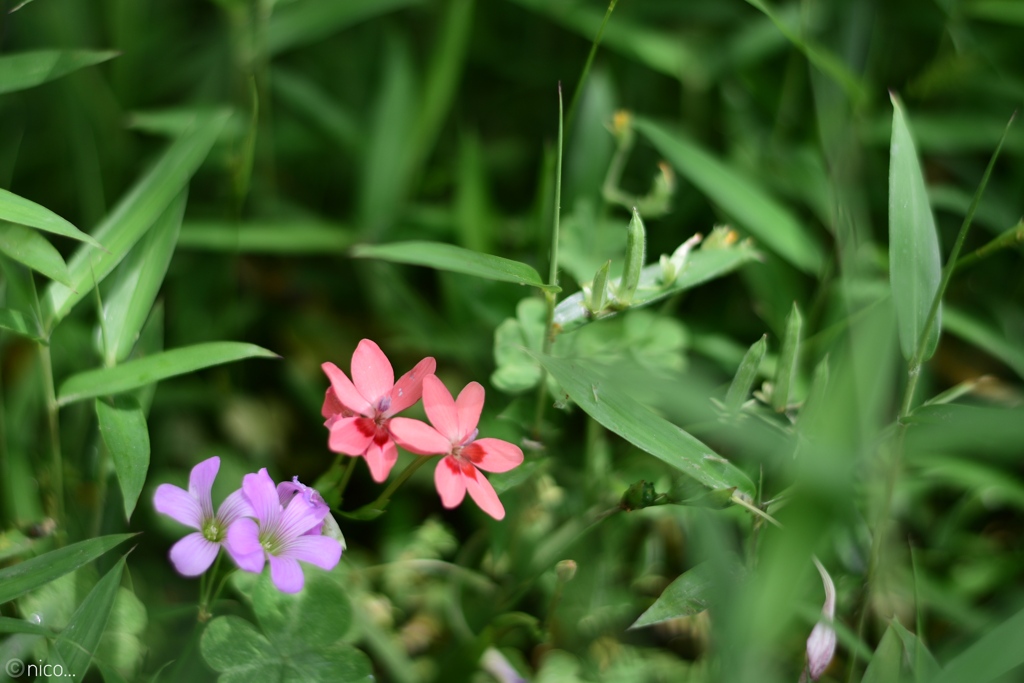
x,y
212,531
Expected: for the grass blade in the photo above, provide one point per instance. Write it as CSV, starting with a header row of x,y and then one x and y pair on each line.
x,y
25,212
77,642
741,384
33,250
267,237
789,361
301,23
685,596
31,574
993,655
29,69
16,322
122,425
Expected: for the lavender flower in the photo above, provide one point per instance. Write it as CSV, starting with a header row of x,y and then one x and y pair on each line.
x,y
821,645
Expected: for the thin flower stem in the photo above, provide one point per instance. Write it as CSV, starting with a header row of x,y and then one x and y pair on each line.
x,y
383,499
56,457
346,474
756,510
590,60
205,586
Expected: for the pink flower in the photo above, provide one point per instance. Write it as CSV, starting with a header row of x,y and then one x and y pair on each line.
x,y
281,534
821,645
358,412
194,554
454,436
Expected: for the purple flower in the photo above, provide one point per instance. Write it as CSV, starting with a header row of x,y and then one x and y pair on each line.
x,y
194,554
281,534
287,490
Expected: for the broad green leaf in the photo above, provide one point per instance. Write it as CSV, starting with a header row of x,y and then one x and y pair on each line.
x,y
121,650
914,260
123,427
28,575
16,322
922,662
24,212
983,336
233,646
312,620
454,259
685,596
79,639
127,305
29,69
134,215
991,656
140,372
10,625
965,429
635,423
754,210
31,249
789,361
300,23
265,237
746,374
886,664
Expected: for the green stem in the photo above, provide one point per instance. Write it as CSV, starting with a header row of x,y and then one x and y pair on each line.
x,y
590,60
346,474
383,499
205,588
1009,238
56,458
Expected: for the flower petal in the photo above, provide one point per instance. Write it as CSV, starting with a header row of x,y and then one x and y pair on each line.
x,y
322,551
234,507
418,437
440,407
243,544
481,491
372,372
493,455
193,555
380,458
409,387
332,406
200,483
468,405
351,435
346,391
176,503
300,516
449,482
286,574
261,494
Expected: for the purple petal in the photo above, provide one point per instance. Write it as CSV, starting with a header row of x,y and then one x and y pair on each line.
x,y
234,507
200,483
322,551
193,555
243,544
177,504
261,494
299,517
286,574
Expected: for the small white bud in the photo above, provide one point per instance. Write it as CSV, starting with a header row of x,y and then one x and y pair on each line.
x,y
821,645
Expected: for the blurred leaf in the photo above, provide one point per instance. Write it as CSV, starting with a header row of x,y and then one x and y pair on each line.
x,y
968,429
994,654
914,260
516,370
28,575
142,371
922,662
789,361
121,649
29,69
984,337
997,485
24,212
633,421
79,639
132,217
299,23
308,99
31,249
233,646
126,307
14,321
1010,12
123,427
685,596
10,625
886,664
746,374
265,237
454,259
754,210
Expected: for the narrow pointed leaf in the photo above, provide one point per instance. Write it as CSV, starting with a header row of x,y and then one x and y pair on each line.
x,y
301,23
25,212
746,374
134,215
635,423
291,237
990,657
914,260
29,69
18,323
31,249
789,359
123,428
144,371
31,574
79,639
985,336
10,625
686,596
454,259
887,661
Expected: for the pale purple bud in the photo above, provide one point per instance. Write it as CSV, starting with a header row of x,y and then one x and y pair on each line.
x,y
821,645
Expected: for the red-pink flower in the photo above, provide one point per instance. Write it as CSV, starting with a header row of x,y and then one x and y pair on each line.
x,y
358,411
454,436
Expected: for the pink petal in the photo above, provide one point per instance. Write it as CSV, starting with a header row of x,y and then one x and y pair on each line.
x,y
193,555
481,491
346,391
418,437
380,458
351,435
176,503
243,544
234,507
200,483
409,387
449,482
372,372
322,551
261,494
468,405
440,407
332,406
286,574
493,455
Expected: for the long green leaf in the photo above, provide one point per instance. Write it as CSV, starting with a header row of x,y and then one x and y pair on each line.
x,y
144,371
16,322
31,249
914,259
140,275
454,259
887,661
984,337
31,574
752,207
685,596
77,642
300,23
635,423
9,625
265,237
134,215
25,212
29,69
994,654
123,428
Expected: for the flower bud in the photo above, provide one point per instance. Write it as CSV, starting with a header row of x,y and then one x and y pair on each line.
x,y
821,645
598,299
672,266
565,571
636,245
